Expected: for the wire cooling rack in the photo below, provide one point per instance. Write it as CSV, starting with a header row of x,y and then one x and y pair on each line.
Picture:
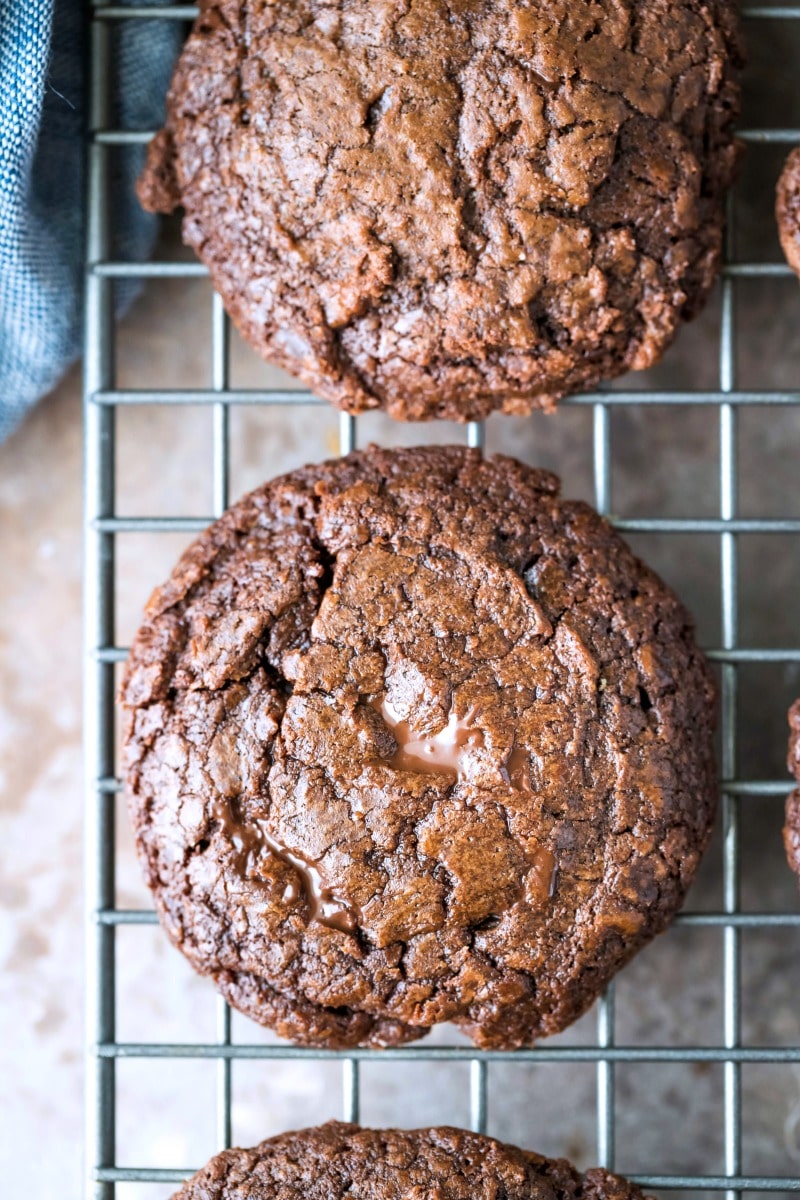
x,y
103,525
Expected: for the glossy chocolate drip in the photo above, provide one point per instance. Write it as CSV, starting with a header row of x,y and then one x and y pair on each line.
x,y
441,753
249,840
517,769
326,907
445,753
543,873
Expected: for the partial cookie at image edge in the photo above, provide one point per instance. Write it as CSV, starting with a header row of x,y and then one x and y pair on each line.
x,y
338,1160
791,829
447,212
787,209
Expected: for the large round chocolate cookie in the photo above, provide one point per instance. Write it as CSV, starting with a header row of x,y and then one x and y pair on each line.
x,y
445,207
411,739
787,210
791,830
337,1162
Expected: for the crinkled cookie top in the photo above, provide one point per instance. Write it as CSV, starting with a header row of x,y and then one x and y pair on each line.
x,y
446,207
411,739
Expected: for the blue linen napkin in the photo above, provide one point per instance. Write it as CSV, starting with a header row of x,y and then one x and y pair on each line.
x,y
43,101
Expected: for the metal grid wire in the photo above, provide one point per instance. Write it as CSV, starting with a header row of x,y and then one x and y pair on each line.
x,y
101,399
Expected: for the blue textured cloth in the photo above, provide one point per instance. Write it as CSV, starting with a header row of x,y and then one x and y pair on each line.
x,y
43,98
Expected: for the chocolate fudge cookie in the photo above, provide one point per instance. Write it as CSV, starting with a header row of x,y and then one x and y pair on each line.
x,y
411,739
791,830
335,1161
442,209
787,209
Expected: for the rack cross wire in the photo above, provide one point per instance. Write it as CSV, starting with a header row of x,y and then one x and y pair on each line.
x,y
102,525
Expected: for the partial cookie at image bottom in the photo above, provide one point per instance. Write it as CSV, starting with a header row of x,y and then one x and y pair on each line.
x,y
335,1160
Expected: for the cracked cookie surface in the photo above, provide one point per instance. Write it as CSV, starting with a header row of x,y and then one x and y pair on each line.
x,y
334,1161
787,210
791,830
446,207
411,739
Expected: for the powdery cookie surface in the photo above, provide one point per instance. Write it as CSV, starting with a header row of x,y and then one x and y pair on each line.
x,y
787,209
335,1161
446,207
411,739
